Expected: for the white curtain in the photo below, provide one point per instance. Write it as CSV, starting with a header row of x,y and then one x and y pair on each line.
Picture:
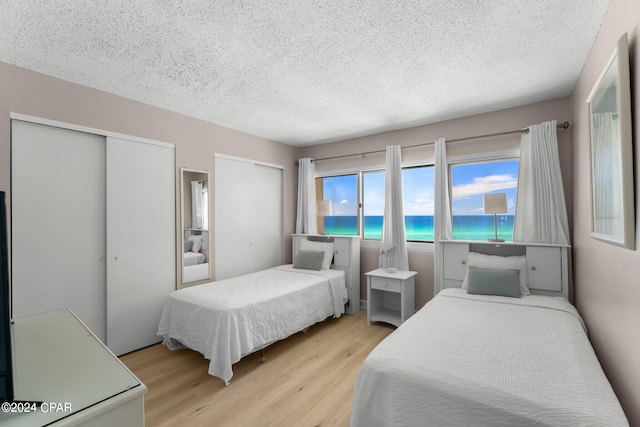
x,y
306,220
197,211
393,248
608,206
442,225
541,211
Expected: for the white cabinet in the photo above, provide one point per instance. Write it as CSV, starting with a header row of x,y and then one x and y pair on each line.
x,y
93,226
544,267
346,256
390,296
547,264
248,216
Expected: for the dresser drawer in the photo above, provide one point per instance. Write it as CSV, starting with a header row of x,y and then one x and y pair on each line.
x,y
386,284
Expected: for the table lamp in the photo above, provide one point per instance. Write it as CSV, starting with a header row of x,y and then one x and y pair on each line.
x,y
495,203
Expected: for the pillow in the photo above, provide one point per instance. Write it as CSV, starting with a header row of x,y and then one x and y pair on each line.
x,y
494,281
308,260
187,245
499,262
196,243
325,247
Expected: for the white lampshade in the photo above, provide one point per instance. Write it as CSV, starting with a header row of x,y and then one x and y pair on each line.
x,y
495,203
324,208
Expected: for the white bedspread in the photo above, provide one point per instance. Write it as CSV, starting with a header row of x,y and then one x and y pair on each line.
x,y
193,258
228,319
471,360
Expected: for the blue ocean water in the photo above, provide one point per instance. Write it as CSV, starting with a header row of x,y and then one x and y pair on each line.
x,y
465,227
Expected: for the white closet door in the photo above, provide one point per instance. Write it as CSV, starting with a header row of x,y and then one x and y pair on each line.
x,y
140,241
268,221
234,216
248,217
58,222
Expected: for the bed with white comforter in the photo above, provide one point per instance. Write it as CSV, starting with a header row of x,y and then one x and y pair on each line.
x,y
228,319
479,360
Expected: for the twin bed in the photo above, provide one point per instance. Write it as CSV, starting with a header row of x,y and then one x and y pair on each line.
x,y
488,353
486,360
229,319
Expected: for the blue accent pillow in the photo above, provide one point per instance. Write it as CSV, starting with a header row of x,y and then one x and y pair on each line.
x,y
493,281
308,260
187,245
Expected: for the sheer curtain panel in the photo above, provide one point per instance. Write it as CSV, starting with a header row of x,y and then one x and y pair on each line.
x,y
393,248
306,220
442,226
541,210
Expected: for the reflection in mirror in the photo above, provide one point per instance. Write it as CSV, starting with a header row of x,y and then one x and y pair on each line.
x,y
195,225
612,198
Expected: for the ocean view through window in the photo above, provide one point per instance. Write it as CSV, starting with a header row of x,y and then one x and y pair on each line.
x,y
341,191
469,182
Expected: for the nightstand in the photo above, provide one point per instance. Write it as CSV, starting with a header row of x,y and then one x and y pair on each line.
x,y
391,296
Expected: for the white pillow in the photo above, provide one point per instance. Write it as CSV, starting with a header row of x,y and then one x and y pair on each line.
x,y
499,262
197,243
326,247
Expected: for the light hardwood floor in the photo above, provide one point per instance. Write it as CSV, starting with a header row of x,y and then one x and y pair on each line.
x,y
307,380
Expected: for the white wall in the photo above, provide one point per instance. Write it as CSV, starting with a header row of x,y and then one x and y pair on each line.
x,y
607,278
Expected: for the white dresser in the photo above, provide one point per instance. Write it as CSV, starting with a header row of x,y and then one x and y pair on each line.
x,y
59,362
547,264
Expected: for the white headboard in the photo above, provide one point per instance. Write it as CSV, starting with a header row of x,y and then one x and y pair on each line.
x,y
547,265
346,256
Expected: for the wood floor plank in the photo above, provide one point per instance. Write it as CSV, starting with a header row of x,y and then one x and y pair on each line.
x,y
307,380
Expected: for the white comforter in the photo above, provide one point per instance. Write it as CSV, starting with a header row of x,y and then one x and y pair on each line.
x,y
228,319
467,360
193,258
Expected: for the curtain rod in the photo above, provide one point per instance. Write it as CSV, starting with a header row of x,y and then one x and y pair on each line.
x,y
564,125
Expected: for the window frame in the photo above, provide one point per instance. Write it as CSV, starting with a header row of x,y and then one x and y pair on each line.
x,y
346,172
412,245
484,157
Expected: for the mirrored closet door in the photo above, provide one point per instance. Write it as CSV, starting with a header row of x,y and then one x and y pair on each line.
x,y
195,225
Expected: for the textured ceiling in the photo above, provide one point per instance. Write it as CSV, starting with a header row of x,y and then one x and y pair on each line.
x,y
305,72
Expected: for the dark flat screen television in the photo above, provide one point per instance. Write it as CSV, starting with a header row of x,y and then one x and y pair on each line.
x,y
6,370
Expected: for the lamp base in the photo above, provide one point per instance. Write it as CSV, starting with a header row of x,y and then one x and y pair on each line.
x,y
496,240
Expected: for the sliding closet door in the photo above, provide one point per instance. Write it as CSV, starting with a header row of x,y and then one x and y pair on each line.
x,y
58,222
140,241
234,216
268,223
248,217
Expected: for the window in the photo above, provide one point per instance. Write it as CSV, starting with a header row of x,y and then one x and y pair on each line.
x,y
417,194
341,216
469,182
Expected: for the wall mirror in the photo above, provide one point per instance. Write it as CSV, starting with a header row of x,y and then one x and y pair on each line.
x,y
612,193
195,225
